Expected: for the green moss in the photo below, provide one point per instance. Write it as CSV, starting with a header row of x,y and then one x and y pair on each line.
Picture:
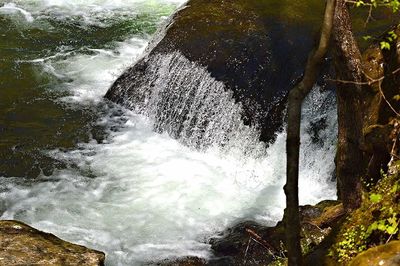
x,y
279,262
374,223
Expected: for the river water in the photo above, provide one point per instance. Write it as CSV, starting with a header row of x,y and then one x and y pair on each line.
x,y
96,174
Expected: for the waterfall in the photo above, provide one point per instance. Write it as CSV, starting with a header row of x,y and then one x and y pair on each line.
x,y
186,102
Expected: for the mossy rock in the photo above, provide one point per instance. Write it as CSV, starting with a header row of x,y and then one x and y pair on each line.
x,y
21,244
384,255
373,224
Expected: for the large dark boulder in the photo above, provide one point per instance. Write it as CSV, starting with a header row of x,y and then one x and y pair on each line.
x,y
216,59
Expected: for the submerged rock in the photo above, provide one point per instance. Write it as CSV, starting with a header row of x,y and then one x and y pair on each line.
x,y
220,64
250,243
21,244
187,261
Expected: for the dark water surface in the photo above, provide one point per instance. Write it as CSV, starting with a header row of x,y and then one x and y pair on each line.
x,y
32,117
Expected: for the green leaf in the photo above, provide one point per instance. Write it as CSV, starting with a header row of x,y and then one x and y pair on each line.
x,y
396,98
392,34
391,230
385,45
382,226
367,37
392,221
395,5
360,3
375,198
372,227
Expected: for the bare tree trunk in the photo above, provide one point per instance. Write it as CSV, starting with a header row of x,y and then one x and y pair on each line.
x,y
296,97
349,161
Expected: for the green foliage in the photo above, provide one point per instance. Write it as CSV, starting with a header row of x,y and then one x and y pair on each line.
x,y
376,222
385,45
375,198
279,262
394,5
388,225
354,240
390,38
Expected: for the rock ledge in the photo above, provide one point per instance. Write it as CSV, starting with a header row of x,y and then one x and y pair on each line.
x,y
21,244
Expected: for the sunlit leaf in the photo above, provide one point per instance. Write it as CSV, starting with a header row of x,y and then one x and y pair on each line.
x,y
375,198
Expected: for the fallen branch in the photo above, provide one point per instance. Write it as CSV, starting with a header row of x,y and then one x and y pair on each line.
x,y
259,240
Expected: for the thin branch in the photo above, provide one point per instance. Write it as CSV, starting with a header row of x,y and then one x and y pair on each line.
x,y
387,102
247,249
261,241
392,152
351,82
369,16
370,82
391,235
366,4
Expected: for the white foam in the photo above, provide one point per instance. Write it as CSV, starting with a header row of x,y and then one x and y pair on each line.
x,y
90,12
153,198
11,8
91,74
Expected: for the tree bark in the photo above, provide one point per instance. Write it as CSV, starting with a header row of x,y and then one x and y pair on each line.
x,y
350,159
296,97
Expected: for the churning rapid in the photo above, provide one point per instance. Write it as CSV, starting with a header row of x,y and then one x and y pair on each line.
x,y
138,195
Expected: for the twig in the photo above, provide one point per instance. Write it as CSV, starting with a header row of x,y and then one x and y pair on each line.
x,y
381,91
351,82
384,97
269,251
370,82
369,16
364,4
247,249
259,239
391,235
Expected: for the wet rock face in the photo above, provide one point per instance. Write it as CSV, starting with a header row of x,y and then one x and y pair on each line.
x,y
21,244
256,54
384,255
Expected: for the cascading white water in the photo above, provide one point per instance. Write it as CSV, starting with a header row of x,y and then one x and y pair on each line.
x,y
184,100
142,196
